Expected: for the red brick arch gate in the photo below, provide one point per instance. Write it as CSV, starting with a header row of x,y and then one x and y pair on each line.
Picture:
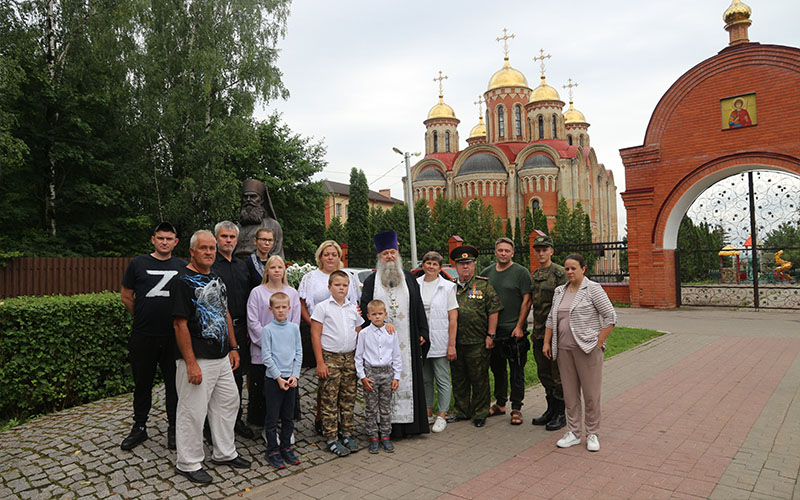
x,y
686,150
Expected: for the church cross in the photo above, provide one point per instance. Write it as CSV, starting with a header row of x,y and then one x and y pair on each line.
x,y
541,57
439,79
505,38
479,103
570,87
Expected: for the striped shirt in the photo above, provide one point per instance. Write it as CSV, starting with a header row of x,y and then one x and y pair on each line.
x,y
590,312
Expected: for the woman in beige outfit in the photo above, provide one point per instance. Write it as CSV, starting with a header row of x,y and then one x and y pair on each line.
x,y
582,317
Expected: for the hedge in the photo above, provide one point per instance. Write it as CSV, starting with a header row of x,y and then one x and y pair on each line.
x,y
58,351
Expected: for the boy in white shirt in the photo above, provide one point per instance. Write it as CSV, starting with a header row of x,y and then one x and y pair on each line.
x,y
378,366
334,327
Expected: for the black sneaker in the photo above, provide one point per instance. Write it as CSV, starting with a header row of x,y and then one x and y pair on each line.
x,y
198,476
373,445
137,436
387,445
289,457
238,462
275,460
171,442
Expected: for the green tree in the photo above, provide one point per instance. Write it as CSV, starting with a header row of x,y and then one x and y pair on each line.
x,y
540,220
522,254
335,231
357,225
785,237
423,223
445,218
698,246
509,231
528,226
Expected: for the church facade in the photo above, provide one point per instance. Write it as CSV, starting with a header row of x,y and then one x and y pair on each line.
x,y
525,151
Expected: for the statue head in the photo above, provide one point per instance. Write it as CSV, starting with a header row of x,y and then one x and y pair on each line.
x,y
256,204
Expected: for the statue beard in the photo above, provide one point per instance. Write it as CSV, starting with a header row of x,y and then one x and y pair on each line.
x,y
391,273
252,214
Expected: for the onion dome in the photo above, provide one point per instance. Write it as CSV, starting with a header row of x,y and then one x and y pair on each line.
x,y
478,130
572,115
544,92
441,110
737,13
507,77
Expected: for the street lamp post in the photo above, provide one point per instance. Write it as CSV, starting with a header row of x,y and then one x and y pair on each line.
x,y
410,203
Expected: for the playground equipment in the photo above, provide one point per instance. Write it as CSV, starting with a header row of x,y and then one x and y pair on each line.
x,y
783,267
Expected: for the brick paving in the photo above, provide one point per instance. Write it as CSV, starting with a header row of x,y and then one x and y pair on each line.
x,y
710,411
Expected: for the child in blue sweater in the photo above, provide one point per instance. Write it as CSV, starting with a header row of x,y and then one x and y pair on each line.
x,y
282,352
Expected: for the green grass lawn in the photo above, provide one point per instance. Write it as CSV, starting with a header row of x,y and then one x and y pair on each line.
x,y
621,339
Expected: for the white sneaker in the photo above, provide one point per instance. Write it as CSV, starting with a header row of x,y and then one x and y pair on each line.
x,y
439,424
592,443
568,440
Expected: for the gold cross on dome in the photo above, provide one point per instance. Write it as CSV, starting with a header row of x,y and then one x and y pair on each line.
x,y
479,103
570,86
541,57
505,38
439,79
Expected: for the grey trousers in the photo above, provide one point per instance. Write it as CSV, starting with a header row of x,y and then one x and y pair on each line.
x,y
437,370
379,401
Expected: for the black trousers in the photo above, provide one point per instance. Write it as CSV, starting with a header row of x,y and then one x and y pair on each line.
x,y
256,406
146,353
243,341
507,361
280,405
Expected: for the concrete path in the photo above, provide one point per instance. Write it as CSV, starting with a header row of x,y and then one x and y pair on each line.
x,y
711,410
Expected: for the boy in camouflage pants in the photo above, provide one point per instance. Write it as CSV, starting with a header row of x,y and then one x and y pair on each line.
x,y
378,366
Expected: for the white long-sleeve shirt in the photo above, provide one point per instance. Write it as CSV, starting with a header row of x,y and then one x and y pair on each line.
x,y
377,347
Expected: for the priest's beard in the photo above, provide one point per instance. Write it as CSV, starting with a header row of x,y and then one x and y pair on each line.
x,y
252,214
391,273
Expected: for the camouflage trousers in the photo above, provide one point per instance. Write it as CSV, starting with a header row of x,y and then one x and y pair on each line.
x,y
548,371
338,391
470,372
379,401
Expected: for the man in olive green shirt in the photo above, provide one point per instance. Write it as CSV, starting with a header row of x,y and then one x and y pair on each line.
x,y
478,308
544,281
507,360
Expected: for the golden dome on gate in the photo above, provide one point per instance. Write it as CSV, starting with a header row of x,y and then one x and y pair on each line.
x,y
507,77
441,110
544,92
478,130
572,115
737,13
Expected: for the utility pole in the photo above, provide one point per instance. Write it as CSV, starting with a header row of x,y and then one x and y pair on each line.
x,y
410,203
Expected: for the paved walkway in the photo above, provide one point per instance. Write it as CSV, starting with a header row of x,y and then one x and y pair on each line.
x,y
710,411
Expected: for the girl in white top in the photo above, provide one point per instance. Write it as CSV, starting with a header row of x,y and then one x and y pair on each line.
x,y
258,316
441,308
314,290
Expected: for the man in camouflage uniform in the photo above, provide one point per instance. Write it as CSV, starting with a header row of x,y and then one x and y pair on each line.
x,y
544,281
478,308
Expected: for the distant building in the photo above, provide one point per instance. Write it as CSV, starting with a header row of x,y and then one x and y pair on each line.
x,y
339,198
525,151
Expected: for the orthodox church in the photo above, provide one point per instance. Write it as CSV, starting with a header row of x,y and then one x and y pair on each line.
x,y
525,152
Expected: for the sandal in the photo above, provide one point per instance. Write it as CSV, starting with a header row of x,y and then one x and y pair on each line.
x,y
495,411
516,417
338,449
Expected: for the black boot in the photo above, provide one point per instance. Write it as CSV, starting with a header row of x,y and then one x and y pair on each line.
x,y
547,415
559,418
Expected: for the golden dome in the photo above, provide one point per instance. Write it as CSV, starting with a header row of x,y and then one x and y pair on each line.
x,y
573,115
544,92
478,130
737,13
441,110
507,77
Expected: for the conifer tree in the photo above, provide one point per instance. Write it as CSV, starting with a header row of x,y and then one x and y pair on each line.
x,y
357,226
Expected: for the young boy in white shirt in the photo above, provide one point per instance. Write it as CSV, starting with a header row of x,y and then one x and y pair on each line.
x,y
282,353
378,366
335,324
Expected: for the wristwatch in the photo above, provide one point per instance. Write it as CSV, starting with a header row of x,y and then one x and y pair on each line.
x,y
491,335
235,348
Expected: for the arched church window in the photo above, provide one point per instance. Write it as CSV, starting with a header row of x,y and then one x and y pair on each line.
x,y
555,126
435,141
535,205
501,122
447,141
581,139
541,127
518,119
569,140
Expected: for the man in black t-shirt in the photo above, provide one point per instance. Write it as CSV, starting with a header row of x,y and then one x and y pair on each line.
x,y
207,355
145,293
235,275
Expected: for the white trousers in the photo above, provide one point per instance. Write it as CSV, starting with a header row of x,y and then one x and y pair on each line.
x,y
218,398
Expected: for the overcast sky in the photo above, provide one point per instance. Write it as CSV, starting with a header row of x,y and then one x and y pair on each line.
x,y
360,72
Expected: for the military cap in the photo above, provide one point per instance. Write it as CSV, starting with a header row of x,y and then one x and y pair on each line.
x,y
543,241
464,253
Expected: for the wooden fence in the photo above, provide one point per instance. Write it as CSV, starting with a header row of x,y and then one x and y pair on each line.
x,y
65,276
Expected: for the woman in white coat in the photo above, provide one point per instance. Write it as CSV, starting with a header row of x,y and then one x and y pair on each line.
x,y
441,308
